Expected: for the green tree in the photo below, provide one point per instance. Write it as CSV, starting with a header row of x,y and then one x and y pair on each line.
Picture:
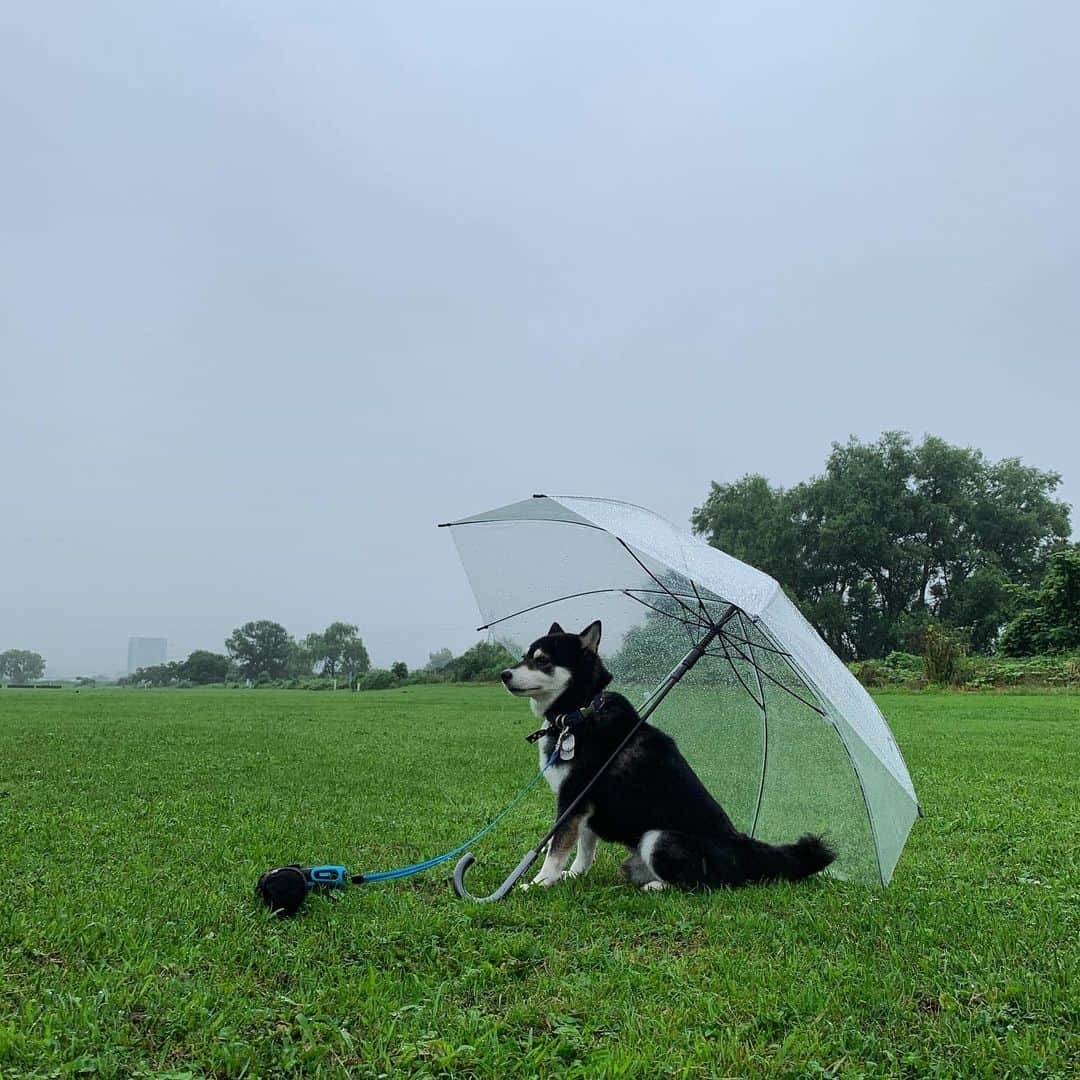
x,y
438,660
309,655
203,667
399,669
1049,619
301,661
354,659
261,646
338,650
481,663
156,675
21,665
893,534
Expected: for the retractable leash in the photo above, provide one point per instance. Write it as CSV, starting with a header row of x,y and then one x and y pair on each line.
x,y
285,888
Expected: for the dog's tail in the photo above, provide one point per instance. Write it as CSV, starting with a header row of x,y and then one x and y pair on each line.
x,y
790,862
692,861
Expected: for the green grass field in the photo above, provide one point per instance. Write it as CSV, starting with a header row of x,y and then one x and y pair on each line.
x,y
133,825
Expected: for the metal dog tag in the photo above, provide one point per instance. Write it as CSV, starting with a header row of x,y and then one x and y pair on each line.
x,y
566,746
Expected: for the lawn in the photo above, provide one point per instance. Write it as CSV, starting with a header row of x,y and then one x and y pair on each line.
x,y
133,825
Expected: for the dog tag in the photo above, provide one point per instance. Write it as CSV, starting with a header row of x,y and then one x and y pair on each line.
x,y
566,746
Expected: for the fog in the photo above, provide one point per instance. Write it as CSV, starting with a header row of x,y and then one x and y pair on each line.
x,y
281,288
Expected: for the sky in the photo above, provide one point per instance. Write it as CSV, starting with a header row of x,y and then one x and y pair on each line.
x,y
283,286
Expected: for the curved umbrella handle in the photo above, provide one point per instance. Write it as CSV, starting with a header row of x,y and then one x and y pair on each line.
x,y
467,860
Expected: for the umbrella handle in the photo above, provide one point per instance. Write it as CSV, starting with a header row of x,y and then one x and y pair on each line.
x,y
467,860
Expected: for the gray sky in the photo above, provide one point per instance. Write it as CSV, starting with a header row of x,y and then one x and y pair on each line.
x,y
282,286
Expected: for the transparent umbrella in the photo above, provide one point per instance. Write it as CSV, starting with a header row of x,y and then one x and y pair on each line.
x,y
777,727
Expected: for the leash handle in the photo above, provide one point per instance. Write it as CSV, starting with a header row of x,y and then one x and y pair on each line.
x,y
333,876
512,879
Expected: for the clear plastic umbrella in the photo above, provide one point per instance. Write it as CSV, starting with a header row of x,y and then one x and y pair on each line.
x,y
777,727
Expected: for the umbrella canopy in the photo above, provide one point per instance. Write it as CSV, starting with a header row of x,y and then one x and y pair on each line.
x,y
777,727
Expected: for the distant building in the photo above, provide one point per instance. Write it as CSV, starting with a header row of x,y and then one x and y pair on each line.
x,y
146,652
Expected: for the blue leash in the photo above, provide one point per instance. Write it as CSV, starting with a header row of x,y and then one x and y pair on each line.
x,y
427,864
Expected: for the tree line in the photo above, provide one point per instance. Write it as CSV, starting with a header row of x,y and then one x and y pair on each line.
x,y
895,537
263,653
893,545
263,650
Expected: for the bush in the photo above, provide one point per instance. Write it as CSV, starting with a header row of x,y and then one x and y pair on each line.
x,y
897,669
903,670
944,653
1000,672
376,679
1050,618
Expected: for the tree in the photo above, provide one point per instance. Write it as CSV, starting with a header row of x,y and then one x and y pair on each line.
x,y
893,534
21,665
338,650
203,667
156,675
481,663
399,669
260,647
310,654
438,660
354,659
301,660
1049,619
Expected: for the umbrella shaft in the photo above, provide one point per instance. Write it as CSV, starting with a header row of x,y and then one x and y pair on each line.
x,y
683,666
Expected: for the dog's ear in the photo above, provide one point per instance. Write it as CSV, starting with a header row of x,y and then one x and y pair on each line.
x,y
556,629
590,636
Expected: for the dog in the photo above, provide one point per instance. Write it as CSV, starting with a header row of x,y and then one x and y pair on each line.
x,y
648,799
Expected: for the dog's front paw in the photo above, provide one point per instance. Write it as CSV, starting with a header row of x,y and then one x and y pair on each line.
x,y
542,880
654,886
571,873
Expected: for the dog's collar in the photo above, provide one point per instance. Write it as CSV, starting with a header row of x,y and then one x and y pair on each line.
x,y
569,721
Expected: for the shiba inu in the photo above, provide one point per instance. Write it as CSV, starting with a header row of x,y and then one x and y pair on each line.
x,y
648,798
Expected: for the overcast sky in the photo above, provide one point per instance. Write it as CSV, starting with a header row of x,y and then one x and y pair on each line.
x,y
282,286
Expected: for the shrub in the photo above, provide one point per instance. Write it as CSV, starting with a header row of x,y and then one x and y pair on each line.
x,y
1050,618
897,669
944,653
977,672
376,679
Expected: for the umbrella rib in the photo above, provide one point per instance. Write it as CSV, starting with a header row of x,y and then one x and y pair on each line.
x,y
574,596
764,735
786,689
701,603
517,521
689,611
757,645
760,703
653,607
738,675
545,603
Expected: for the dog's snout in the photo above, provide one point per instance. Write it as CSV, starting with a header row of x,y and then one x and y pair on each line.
x,y
506,675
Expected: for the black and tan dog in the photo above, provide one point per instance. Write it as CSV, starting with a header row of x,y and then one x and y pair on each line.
x,y
648,799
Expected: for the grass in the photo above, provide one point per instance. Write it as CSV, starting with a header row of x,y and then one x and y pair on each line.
x,y
133,826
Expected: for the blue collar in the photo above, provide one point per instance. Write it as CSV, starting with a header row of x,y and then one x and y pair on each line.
x,y
571,720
